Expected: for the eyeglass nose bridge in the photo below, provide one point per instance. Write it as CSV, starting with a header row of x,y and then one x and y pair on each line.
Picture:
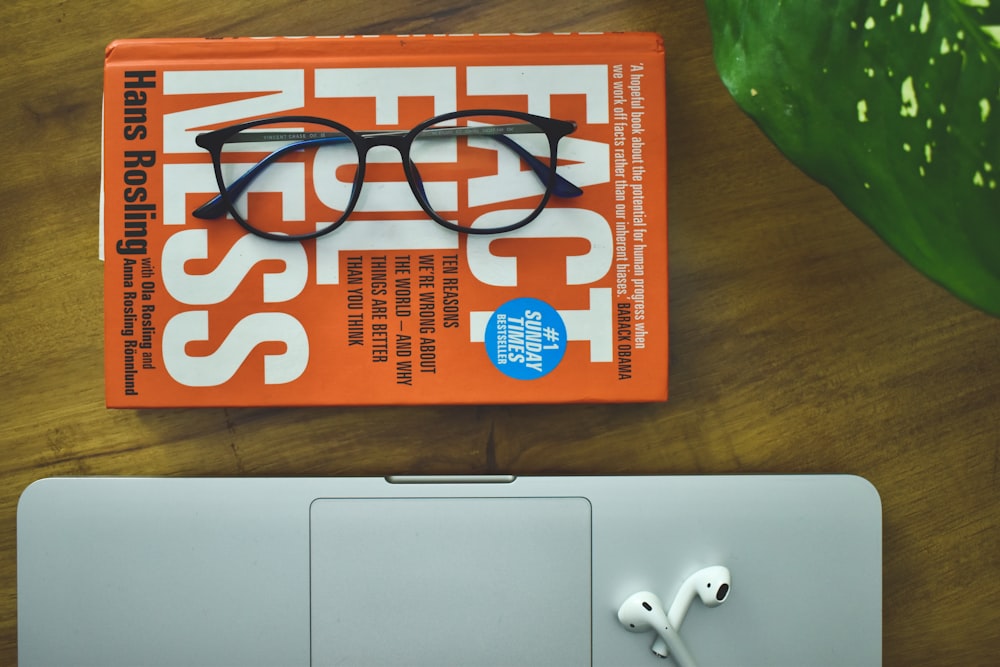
x,y
400,140
397,140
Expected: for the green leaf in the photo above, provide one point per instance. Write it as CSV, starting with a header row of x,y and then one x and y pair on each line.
x,y
895,106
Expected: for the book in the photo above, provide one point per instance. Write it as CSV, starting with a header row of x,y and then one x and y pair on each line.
x,y
392,306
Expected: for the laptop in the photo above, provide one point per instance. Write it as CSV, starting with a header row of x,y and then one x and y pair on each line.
x,y
472,571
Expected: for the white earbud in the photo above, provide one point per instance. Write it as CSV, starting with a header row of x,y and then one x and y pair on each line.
x,y
711,584
643,612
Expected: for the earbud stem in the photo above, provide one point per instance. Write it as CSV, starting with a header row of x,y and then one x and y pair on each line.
x,y
680,607
678,610
678,649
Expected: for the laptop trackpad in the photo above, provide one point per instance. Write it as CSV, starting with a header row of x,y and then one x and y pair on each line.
x,y
450,581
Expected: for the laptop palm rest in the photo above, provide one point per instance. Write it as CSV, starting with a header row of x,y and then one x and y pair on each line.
x,y
426,580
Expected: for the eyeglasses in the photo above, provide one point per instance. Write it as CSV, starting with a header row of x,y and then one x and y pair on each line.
x,y
483,171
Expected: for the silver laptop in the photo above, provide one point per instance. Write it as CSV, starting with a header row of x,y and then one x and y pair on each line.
x,y
491,571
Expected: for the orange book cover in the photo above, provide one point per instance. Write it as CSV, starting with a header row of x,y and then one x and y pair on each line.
x,y
381,254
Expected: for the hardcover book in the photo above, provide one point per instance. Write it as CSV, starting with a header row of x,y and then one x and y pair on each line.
x,y
385,220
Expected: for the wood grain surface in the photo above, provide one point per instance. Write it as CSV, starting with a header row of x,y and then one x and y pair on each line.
x,y
800,343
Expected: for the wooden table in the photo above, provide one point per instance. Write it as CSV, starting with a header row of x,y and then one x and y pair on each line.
x,y
799,342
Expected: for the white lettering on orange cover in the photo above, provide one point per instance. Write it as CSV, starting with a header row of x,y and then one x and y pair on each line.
x,y
272,92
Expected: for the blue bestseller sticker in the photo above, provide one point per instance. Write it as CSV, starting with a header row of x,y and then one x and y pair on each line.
x,y
526,338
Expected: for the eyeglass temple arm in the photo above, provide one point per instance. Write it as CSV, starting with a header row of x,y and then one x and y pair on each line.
x,y
216,207
560,186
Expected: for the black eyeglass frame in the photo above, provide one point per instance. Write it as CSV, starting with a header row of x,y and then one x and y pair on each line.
x,y
401,140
